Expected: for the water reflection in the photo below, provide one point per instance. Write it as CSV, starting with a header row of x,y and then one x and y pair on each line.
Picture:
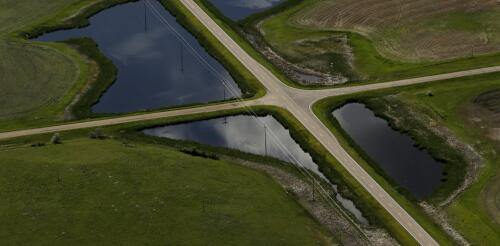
x,y
245,134
396,153
239,9
154,69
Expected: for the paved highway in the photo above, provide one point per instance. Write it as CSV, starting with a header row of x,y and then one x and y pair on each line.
x,y
298,102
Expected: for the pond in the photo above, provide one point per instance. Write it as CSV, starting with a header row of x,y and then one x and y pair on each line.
x,y
240,9
244,133
155,69
395,153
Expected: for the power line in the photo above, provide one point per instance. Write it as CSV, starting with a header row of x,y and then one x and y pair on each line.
x,y
288,155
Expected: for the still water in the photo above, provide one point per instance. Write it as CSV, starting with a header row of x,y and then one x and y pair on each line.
x,y
155,69
239,9
248,135
396,154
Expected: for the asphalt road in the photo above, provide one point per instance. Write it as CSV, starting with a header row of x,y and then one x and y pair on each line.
x,y
298,102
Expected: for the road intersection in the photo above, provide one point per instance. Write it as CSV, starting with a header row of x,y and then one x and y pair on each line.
x,y
298,102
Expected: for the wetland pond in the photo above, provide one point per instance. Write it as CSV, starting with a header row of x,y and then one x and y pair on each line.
x,y
395,153
240,9
155,69
244,133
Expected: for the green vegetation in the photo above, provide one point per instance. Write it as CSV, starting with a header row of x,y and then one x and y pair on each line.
x,y
102,78
323,110
332,51
81,72
109,192
38,82
231,29
41,79
475,213
328,165
445,104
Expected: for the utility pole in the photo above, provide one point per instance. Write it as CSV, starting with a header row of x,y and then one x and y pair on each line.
x,y
182,57
313,193
145,17
265,139
225,117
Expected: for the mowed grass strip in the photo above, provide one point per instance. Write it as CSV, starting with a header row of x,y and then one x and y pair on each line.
x,y
32,77
37,81
102,192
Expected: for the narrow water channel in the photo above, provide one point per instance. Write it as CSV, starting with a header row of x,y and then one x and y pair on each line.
x,y
240,9
155,69
394,152
244,133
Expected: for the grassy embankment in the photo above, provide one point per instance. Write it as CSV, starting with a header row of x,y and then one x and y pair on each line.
x,y
445,106
304,46
110,192
92,71
328,165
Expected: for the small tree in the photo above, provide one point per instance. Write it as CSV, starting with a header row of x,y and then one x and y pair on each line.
x,y
56,139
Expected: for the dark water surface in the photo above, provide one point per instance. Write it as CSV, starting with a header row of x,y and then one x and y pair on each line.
x,y
396,153
154,69
239,9
246,134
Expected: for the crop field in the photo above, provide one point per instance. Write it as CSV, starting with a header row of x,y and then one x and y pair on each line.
x,y
38,81
105,192
414,30
378,42
30,80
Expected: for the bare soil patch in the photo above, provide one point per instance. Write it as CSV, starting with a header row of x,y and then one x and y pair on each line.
x,y
413,29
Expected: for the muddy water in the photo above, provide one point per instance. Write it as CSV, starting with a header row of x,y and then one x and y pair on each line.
x,y
240,9
394,152
155,69
248,135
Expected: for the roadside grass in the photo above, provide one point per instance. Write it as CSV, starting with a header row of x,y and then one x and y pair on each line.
x,y
232,30
94,72
467,213
327,164
249,85
286,38
107,192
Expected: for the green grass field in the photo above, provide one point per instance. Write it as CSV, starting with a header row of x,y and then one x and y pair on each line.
x,y
475,212
104,192
38,80
350,53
